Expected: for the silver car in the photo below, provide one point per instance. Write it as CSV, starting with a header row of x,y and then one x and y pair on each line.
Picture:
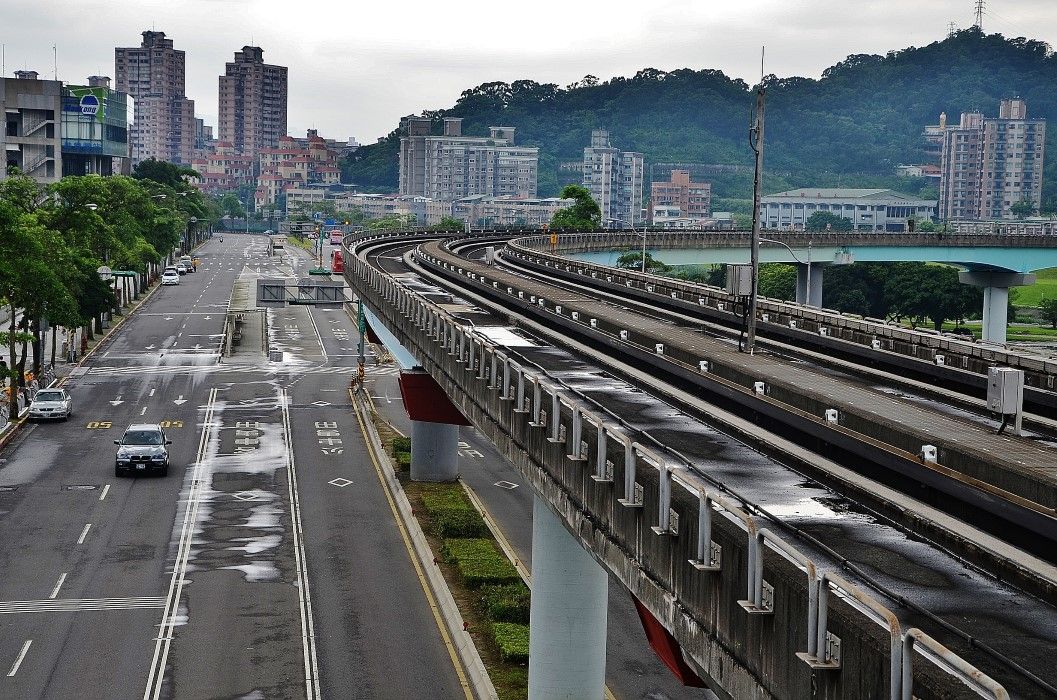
x,y
142,449
50,404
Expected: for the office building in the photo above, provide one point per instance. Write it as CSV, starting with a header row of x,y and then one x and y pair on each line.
x,y
452,166
679,199
51,130
868,210
163,120
31,139
95,129
991,165
615,180
253,97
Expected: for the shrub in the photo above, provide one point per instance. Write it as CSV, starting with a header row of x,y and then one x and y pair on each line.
x,y
512,640
458,523
452,515
506,603
479,562
400,444
403,460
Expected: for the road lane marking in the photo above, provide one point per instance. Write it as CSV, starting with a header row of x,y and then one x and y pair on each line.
x,y
144,411
84,533
18,607
151,392
318,336
21,658
183,553
55,591
106,489
304,595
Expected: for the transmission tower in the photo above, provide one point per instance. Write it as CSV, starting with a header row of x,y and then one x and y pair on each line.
x,y
952,29
979,15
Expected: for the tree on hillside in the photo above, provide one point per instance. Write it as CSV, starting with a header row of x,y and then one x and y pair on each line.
x,y
632,260
778,281
1048,310
448,223
827,221
583,215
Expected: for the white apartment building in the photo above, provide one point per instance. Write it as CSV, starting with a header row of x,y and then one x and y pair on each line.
x,y
452,166
615,180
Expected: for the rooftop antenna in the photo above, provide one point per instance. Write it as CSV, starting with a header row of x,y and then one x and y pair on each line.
x,y
980,14
55,61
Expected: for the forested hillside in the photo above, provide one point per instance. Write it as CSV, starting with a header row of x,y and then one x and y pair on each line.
x,y
851,127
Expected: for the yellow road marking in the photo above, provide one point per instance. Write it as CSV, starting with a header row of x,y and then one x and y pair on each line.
x,y
433,606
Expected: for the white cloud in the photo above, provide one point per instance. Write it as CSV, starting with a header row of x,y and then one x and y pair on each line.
x,y
356,68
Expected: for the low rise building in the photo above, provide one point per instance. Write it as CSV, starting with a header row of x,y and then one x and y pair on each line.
x,y
867,209
679,199
32,140
223,170
295,164
481,211
95,129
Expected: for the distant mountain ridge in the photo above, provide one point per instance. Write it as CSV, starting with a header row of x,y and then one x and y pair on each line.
x,y
851,127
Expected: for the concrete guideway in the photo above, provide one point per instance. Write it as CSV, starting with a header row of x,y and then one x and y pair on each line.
x,y
477,354
989,467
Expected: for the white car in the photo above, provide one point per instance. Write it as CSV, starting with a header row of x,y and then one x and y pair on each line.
x,y
51,403
170,276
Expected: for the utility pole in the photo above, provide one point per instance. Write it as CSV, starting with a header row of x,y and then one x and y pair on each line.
x,y
756,142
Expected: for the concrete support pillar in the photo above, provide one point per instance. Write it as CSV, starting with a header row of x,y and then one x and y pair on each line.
x,y
567,645
435,425
996,298
434,451
812,297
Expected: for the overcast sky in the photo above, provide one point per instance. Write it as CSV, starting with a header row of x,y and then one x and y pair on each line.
x,y
357,67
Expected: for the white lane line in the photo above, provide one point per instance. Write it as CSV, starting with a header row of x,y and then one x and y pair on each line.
x,y
21,657
318,336
308,631
106,490
183,552
84,533
143,411
55,591
151,392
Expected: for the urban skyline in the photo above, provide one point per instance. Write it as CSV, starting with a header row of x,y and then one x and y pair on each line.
x,y
431,64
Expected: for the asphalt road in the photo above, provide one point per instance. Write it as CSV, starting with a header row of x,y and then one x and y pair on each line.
x,y
253,570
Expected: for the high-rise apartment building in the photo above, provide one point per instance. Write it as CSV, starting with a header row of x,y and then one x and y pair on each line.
x,y
253,96
679,198
163,121
989,165
452,166
614,179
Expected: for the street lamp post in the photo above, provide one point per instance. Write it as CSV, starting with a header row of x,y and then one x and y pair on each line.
x,y
807,295
642,267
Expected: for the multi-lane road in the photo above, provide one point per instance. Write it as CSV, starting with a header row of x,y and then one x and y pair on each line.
x,y
266,565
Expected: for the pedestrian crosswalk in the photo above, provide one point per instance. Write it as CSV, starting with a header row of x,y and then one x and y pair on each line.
x,y
15,607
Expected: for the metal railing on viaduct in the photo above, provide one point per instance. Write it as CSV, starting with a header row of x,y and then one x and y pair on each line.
x,y
749,610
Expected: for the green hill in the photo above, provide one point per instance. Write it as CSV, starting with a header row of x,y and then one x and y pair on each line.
x,y
851,127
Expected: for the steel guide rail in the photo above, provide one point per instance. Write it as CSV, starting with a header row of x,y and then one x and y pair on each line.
x,y
652,480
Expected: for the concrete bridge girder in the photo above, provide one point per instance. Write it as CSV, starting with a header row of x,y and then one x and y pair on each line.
x,y
661,568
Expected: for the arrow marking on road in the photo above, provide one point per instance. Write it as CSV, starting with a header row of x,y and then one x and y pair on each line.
x,y
117,401
180,400
150,347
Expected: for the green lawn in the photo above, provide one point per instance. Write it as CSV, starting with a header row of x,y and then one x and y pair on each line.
x,y
1045,286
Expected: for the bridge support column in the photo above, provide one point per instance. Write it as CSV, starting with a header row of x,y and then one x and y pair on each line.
x,y
435,425
567,646
996,298
812,297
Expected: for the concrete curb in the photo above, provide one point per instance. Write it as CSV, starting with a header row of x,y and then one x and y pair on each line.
x,y
471,660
